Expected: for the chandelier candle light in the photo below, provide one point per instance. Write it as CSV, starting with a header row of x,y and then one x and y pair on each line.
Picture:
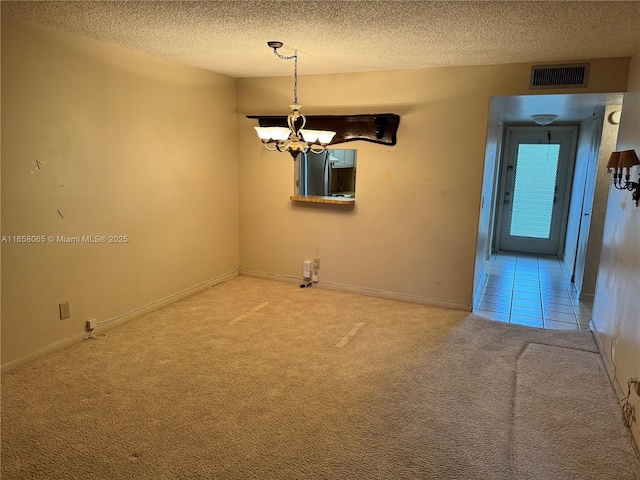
x,y
293,139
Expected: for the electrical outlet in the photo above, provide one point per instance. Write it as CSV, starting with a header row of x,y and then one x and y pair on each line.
x,y
91,324
316,264
65,312
306,269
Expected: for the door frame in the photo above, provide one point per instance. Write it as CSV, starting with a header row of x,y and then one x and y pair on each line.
x,y
498,206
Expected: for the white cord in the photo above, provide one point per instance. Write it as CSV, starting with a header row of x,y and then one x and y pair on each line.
x,y
615,368
95,337
627,408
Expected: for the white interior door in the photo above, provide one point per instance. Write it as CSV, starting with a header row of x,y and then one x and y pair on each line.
x,y
536,180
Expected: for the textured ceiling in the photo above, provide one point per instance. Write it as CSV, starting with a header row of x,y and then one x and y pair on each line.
x,y
230,37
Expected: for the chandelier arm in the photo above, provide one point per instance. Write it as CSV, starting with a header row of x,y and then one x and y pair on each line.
x,y
291,120
285,145
266,147
314,148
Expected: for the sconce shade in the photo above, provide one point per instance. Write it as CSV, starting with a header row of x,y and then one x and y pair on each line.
x,y
628,159
614,159
620,160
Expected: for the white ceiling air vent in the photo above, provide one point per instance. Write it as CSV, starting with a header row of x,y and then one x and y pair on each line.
x,y
559,76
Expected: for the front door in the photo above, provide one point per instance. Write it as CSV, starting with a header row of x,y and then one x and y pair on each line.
x,y
536,181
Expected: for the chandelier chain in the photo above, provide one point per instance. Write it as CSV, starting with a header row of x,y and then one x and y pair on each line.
x,y
295,79
293,57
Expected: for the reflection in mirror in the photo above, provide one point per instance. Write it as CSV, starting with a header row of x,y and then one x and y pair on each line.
x,y
331,173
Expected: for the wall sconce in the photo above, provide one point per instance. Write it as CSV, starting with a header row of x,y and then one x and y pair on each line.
x,y
619,161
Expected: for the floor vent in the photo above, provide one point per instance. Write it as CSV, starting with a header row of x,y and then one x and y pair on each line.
x,y
559,76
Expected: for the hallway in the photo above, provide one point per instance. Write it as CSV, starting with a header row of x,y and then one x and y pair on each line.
x,y
531,290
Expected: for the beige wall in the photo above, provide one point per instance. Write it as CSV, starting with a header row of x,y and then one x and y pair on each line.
x,y
616,309
127,145
412,232
492,157
599,208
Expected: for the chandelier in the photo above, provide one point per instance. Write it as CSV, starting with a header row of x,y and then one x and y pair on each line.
x,y
295,138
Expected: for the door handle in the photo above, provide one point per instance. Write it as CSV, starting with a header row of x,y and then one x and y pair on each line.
x,y
506,202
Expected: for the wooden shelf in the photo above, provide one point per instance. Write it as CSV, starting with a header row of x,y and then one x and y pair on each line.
x,y
318,199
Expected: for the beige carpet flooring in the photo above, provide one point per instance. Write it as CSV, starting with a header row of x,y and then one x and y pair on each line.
x,y
264,380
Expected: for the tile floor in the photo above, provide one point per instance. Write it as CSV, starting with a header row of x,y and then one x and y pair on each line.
x,y
531,290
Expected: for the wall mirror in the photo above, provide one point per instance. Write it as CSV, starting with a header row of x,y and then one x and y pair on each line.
x,y
331,173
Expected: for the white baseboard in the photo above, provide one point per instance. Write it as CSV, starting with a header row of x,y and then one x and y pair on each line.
x,y
273,276
403,297
608,364
150,307
610,368
120,319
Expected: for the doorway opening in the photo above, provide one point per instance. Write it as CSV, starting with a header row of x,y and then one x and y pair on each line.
x,y
572,210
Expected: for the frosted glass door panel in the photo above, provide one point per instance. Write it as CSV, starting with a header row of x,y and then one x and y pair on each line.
x,y
534,190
